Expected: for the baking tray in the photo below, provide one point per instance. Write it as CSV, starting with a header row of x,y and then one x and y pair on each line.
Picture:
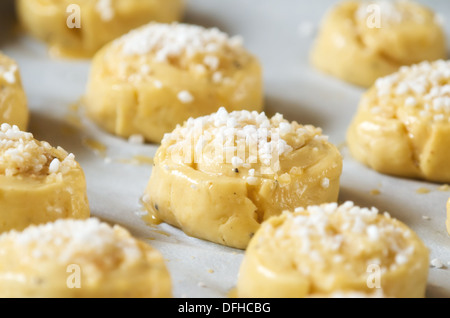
x,y
280,33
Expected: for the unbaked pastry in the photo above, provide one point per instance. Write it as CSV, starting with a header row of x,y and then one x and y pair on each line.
x,y
402,126
38,183
218,177
80,259
360,41
159,75
323,250
79,28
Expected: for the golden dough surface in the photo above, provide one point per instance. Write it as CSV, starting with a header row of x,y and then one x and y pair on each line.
x,y
80,259
402,126
38,183
159,75
360,41
219,176
325,250
79,28
13,102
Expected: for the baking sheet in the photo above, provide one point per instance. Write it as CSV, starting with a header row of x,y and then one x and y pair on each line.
x,y
280,33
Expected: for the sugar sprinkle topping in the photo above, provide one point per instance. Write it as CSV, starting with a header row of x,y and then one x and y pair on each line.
x,y
136,139
426,84
326,227
185,97
325,183
171,41
9,74
260,137
21,153
65,239
105,9
437,263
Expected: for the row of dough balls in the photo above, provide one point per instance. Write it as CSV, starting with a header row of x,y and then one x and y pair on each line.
x,y
237,169
227,209
158,76
79,28
46,233
148,81
286,180
38,182
113,262
134,79
358,42
307,172
343,240
320,251
245,197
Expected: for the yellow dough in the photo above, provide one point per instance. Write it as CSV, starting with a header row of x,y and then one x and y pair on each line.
x,y
38,183
80,259
360,41
100,21
447,223
402,126
13,102
160,75
218,177
326,250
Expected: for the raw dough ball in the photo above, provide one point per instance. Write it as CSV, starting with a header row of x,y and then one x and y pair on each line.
x,y
158,76
101,21
80,258
402,126
13,102
218,177
38,183
360,41
331,249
